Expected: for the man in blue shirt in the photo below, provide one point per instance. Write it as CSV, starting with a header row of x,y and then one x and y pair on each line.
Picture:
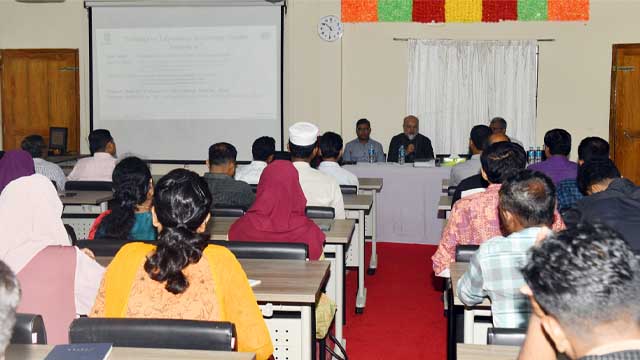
x,y
358,149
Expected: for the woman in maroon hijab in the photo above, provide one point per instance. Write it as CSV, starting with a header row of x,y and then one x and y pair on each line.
x,y
278,214
15,164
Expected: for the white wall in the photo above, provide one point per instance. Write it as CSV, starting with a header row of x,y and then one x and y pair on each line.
x,y
364,75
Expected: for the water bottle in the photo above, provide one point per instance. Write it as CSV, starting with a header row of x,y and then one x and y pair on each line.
x,y
531,155
401,155
538,154
372,154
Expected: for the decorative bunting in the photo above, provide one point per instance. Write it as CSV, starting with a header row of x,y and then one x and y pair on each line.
x,y
464,10
395,10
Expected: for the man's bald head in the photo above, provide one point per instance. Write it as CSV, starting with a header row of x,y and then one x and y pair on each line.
x,y
410,125
498,137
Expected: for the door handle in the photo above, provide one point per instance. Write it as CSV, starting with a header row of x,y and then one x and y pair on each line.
x,y
630,136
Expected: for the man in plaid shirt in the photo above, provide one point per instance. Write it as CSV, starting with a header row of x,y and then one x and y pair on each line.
x,y
527,203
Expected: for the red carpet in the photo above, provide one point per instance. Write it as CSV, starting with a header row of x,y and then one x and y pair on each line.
x,y
403,318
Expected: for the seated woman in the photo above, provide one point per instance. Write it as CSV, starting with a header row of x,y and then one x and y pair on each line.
x,y
130,214
182,277
278,213
34,241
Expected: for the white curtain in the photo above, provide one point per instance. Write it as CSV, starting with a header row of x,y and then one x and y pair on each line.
x,y
454,85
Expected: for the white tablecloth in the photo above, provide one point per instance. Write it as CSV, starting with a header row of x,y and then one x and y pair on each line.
x,y
408,202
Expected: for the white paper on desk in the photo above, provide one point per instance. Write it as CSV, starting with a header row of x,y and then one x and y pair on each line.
x,y
254,283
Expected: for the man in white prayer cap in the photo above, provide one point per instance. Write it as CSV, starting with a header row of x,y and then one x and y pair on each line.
x,y
319,189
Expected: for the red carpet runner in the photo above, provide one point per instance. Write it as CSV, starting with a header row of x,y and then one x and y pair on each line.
x,y
404,317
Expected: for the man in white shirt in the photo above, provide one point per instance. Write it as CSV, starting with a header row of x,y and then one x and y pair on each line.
x,y
34,145
477,141
100,166
263,150
331,150
319,189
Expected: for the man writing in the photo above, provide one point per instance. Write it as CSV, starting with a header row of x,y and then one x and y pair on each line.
x,y
416,145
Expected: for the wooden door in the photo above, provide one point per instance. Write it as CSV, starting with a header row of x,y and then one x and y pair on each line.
x,y
624,122
39,89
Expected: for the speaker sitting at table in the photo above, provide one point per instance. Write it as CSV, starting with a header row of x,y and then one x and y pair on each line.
x,y
416,145
176,278
527,203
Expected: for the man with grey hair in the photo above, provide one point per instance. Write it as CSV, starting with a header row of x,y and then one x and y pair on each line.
x,y
416,145
9,299
499,126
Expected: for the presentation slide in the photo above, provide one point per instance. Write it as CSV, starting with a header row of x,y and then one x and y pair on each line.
x,y
195,73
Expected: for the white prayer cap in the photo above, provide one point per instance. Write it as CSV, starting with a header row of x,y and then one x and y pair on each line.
x,y
303,134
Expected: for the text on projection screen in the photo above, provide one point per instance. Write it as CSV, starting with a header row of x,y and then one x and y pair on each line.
x,y
187,73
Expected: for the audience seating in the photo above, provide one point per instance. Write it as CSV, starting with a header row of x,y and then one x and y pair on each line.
x,y
88,186
349,189
266,250
320,212
26,326
228,211
104,247
465,252
503,336
154,333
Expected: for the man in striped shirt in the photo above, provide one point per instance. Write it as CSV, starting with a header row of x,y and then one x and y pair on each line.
x,y
35,146
527,203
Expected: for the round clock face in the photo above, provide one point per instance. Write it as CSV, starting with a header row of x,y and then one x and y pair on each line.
x,y
330,28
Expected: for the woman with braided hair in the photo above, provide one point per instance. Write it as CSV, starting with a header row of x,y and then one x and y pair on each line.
x,y
130,215
181,277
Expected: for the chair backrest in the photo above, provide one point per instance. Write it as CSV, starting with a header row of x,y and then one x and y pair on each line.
x,y
265,250
349,189
503,336
228,211
88,186
154,333
105,247
451,190
465,252
28,325
320,212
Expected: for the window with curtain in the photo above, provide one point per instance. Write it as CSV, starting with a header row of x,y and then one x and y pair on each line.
x,y
454,85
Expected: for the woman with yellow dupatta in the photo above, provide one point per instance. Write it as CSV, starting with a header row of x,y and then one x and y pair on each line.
x,y
181,277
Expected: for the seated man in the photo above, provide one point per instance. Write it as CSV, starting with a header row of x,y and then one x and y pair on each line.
x,y
557,146
584,286
499,126
358,149
331,151
225,190
474,219
476,181
9,299
477,141
100,166
34,145
263,150
416,145
319,189
527,203
590,148
613,200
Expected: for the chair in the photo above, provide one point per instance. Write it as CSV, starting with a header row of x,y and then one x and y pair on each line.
x,y
265,250
320,212
228,211
154,333
503,336
465,252
58,140
104,247
88,186
26,326
349,189
451,190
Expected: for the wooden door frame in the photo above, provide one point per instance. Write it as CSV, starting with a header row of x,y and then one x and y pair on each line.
x,y
27,53
613,96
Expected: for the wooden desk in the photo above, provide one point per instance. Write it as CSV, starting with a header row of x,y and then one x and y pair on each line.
x,y
355,207
39,352
372,186
487,352
81,208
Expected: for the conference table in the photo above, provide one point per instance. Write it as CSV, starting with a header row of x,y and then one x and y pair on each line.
x,y
39,352
337,239
287,296
407,206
